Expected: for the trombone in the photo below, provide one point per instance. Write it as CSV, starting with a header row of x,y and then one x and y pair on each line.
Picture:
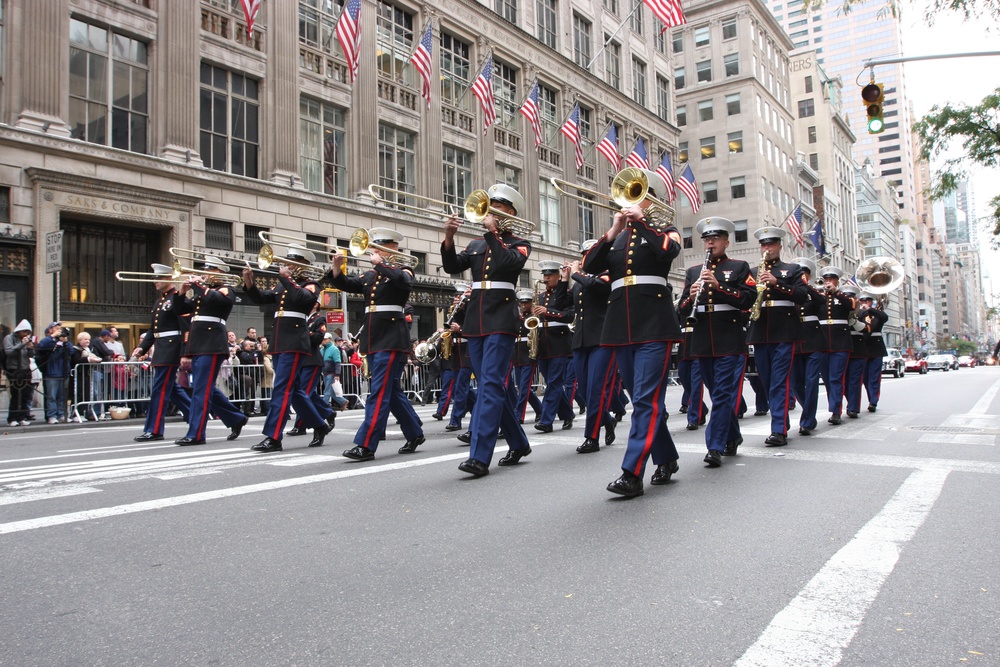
x,y
180,271
629,187
476,207
266,258
148,277
361,244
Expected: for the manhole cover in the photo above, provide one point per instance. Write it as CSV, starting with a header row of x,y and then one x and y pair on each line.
x,y
946,429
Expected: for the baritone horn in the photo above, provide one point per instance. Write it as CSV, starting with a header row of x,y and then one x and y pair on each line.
x,y
476,208
879,275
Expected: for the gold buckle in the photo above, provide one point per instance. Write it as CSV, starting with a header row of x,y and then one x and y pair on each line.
x,y
281,313
486,284
372,309
628,281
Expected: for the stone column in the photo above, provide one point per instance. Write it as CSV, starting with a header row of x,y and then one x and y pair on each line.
x,y
282,94
43,65
177,64
364,110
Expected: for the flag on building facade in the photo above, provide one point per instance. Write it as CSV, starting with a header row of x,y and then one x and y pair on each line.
x,y
816,238
571,128
250,9
608,147
349,36
530,110
794,224
689,186
667,174
421,59
669,12
638,157
482,88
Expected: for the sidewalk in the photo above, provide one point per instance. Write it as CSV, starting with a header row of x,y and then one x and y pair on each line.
x,y
41,425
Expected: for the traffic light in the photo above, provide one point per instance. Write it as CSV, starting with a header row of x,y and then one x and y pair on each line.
x,y
873,96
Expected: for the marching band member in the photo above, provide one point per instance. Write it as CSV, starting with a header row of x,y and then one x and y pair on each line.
x,y
524,364
166,337
858,361
465,396
874,318
386,342
554,311
595,365
641,325
774,332
808,354
836,334
207,345
290,349
310,373
491,325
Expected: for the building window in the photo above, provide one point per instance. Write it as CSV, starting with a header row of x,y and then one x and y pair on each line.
x,y
252,242
108,78
678,78
548,198
707,148
811,133
733,104
705,110
682,152
738,187
505,91
229,125
581,40
710,191
701,36
585,124
635,22
394,43
662,97
613,63
687,236
809,84
731,61
682,115
807,108
457,175
396,159
545,11
5,205
322,147
639,82
729,29
585,219
317,24
454,63
507,9
741,231
508,175
218,234
611,6
814,161
704,69
677,42
547,111
735,142
1,40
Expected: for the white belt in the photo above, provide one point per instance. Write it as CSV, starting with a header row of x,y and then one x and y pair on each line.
x,y
290,313
522,339
164,334
810,318
493,284
857,333
628,281
384,309
828,322
556,324
778,304
715,307
207,318
877,334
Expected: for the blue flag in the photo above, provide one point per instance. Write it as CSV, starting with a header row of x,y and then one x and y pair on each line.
x,y
815,237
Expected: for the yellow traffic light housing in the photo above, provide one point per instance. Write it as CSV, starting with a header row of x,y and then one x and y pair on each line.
x,y
873,97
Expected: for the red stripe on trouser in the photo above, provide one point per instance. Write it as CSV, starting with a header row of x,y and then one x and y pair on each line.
x,y
163,400
602,407
207,401
386,381
287,399
651,429
739,392
788,390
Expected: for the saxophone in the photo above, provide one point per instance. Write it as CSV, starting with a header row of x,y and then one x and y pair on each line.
x,y
761,288
534,323
446,340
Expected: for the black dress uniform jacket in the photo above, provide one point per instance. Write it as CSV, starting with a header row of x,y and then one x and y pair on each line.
x,y
833,314
383,285
499,258
719,331
291,334
780,324
521,356
810,311
874,320
590,302
638,313
204,336
168,348
554,338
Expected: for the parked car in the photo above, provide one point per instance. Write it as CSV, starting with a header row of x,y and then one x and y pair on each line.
x,y
893,363
939,362
914,365
967,361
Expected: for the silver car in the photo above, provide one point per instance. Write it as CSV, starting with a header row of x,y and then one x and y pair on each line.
x,y
939,362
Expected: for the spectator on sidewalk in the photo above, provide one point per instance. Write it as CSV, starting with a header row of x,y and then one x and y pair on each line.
x,y
54,358
19,348
83,379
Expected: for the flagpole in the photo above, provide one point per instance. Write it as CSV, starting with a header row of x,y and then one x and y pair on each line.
x,y
416,43
520,106
594,147
488,56
612,36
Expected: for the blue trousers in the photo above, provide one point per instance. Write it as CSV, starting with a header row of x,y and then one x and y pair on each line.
x,y
619,399
697,410
774,365
760,399
55,397
206,397
724,378
401,408
164,392
805,378
572,386
834,371
490,357
289,391
873,380
525,394
595,380
465,398
447,390
855,378
644,370
386,368
309,383
554,372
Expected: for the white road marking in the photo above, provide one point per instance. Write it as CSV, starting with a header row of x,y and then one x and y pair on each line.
x,y
87,452
816,626
958,439
305,459
982,406
27,496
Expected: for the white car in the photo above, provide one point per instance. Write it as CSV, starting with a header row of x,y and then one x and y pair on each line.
x,y
893,363
939,362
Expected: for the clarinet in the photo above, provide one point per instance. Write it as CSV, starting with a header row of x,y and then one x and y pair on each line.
x,y
693,317
761,288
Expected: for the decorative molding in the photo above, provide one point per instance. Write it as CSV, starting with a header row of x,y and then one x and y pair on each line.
x,y
95,187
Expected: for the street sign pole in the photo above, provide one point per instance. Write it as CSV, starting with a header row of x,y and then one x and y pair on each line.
x,y
53,264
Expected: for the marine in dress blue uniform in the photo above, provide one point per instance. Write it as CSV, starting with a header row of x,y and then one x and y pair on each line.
x,y
808,353
774,334
166,338
491,325
858,361
207,345
641,324
524,365
715,293
310,374
555,345
834,315
464,395
874,318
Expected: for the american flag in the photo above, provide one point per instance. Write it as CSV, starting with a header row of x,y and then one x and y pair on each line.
x,y
668,11
530,111
689,187
667,174
638,157
794,223
250,9
571,128
349,36
421,59
482,88
608,147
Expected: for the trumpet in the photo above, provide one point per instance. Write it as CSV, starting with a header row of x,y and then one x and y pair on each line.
x,y
628,188
361,244
476,207
265,256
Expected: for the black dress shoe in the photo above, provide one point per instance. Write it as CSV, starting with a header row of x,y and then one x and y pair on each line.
x,y
760,413
296,430
544,428
852,415
776,440
683,409
805,431
148,437
609,434
466,437
359,453
589,446
438,416
267,445
619,416
411,445
627,486
319,435
332,420
834,419
513,456
567,424
453,427
703,420
474,467
714,458
235,431
582,410
691,426
872,408
732,446
663,473
189,441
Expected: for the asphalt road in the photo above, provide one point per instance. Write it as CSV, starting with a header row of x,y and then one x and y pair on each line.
x,y
870,543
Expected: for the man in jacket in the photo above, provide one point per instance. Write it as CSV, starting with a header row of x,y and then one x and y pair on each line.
x,y
19,348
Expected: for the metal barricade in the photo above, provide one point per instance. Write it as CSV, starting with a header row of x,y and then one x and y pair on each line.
x,y
97,387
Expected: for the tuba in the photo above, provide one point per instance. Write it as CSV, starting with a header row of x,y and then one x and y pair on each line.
x,y
879,275
439,341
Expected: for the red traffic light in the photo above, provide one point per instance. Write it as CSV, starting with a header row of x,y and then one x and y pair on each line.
x,y
871,93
